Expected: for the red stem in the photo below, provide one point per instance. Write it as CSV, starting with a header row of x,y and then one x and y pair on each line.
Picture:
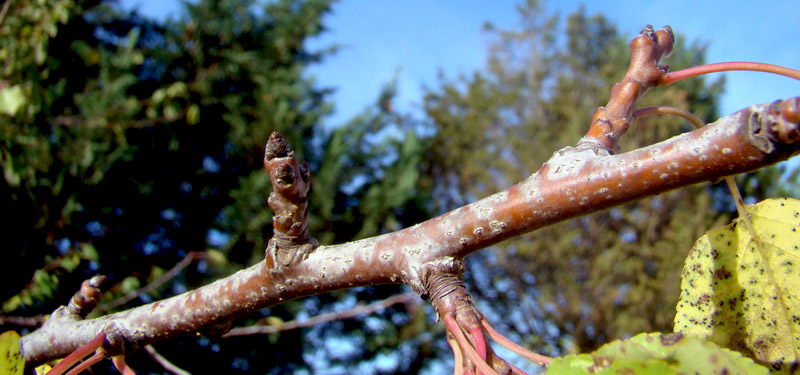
x,y
480,341
97,357
119,363
464,343
516,369
458,357
78,354
695,71
666,110
510,345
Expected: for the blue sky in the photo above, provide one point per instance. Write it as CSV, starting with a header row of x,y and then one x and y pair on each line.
x,y
421,37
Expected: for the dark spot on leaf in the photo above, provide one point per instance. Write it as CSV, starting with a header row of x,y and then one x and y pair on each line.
x,y
670,339
722,273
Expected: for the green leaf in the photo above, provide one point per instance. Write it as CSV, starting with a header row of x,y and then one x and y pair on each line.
x,y
216,258
193,114
11,176
176,89
639,367
89,252
12,304
741,292
158,96
11,361
130,284
11,99
656,353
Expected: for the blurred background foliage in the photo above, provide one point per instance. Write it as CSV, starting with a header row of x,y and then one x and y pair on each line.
x,y
127,143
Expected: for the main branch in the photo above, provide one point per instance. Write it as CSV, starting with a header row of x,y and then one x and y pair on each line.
x,y
575,181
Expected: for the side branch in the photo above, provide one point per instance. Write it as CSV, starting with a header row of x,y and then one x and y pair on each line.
x,y
575,181
609,123
291,182
405,298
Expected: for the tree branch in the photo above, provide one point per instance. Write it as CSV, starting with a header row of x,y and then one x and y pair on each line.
x,y
161,280
165,363
575,181
322,318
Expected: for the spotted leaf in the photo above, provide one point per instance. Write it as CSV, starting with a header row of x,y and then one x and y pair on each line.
x,y
741,292
11,361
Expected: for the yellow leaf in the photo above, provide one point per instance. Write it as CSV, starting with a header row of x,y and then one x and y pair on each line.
x,y
43,369
742,292
11,361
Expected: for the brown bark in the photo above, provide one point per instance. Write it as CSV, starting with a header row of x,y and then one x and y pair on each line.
x,y
575,181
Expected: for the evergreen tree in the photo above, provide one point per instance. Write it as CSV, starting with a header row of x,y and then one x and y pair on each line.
x,y
128,143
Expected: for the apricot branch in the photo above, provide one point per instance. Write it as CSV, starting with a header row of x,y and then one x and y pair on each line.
x,y
575,181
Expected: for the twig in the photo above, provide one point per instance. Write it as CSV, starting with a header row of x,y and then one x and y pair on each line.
x,y
21,321
610,122
85,299
165,363
322,318
155,284
291,181
3,12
